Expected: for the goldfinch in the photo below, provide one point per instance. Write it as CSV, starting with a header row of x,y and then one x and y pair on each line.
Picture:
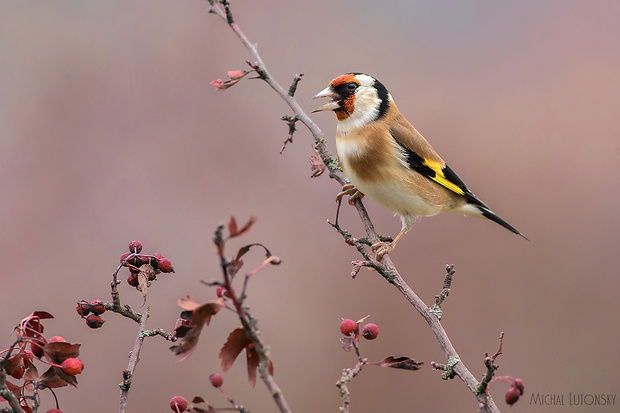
x,y
385,157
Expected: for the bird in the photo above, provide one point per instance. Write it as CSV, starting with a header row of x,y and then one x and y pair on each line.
x,y
385,157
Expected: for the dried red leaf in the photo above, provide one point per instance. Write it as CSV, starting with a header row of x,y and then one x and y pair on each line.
x,y
317,166
404,363
31,326
244,250
14,364
236,342
234,77
234,231
237,74
32,373
147,273
59,351
253,361
200,315
14,388
51,379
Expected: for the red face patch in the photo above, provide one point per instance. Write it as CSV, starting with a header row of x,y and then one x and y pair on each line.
x,y
348,103
341,80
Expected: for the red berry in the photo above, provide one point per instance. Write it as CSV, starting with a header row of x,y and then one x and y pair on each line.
x,y
94,321
370,331
348,326
132,279
72,366
216,380
512,395
124,258
519,385
57,339
164,265
135,246
96,306
178,403
83,308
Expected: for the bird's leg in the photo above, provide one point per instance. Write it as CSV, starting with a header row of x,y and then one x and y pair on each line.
x,y
353,193
382,248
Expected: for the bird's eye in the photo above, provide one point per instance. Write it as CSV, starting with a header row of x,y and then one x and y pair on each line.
x,y
351,86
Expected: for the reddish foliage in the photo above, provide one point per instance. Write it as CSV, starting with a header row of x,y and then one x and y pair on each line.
x,y
238,341
234,231
404,363
196,315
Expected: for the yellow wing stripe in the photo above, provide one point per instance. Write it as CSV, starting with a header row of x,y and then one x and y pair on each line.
x,y
440,178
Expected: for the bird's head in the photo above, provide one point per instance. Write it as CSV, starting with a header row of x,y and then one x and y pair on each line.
x,y
356,98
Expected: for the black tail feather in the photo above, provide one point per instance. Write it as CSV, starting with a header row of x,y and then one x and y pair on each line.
x,y
487,213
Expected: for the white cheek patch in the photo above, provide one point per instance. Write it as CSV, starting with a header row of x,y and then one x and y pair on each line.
x,y
365,109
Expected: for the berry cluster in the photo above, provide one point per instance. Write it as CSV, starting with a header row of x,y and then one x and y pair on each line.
x,y
134,260
91,312
350,328
514,391
32,346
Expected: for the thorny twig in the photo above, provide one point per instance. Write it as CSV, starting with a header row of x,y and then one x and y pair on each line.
x,y
386,268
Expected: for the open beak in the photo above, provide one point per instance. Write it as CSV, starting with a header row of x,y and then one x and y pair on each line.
x,y
328,92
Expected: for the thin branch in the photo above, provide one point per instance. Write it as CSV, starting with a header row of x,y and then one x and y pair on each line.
x,y
347,376
440,298
386,267
133,361
291,121
491,367
293,88
7,394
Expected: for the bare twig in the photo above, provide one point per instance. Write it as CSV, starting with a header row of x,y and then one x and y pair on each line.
x,y
291,121
293,88
440,298
133,361
386,267
347,376
491,367
235,406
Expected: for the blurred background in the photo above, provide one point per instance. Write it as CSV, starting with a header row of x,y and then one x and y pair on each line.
x,y
110,131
